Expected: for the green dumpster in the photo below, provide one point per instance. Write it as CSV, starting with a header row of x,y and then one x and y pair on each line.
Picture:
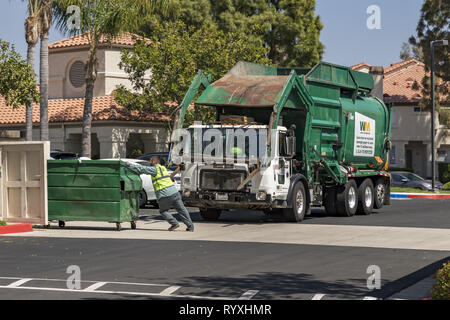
x,y
93,191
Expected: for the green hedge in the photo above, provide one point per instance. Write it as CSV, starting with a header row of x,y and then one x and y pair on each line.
x,y
446,186
444,172
2,223
441,289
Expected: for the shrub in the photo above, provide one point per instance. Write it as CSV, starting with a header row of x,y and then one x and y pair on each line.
x,y
446,186
444,172
2,223
441,289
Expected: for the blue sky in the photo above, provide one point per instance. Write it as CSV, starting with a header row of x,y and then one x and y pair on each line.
x,y
345,35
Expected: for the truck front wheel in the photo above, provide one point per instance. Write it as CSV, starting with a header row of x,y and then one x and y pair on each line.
x,y
347,199
366,197
299,204
210,214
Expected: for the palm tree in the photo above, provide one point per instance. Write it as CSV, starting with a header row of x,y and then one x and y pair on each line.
x,y
45,23
32,31
102,19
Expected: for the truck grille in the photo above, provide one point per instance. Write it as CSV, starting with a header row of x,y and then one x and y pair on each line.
x,y
221,180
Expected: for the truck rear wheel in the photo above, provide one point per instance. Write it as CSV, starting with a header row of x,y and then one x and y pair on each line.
x,y
299,204
210,214
366,197
329,201
380,193
347,199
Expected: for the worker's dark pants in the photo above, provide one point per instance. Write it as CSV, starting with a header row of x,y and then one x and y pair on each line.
x,y
174,201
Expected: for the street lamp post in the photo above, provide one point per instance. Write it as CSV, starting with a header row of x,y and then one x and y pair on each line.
x,y
433,44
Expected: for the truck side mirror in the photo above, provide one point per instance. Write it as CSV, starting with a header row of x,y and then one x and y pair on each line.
x,y
291,146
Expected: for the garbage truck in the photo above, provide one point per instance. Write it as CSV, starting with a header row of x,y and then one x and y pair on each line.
x,y
283,140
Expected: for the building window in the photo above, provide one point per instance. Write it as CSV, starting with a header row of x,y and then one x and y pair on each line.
x,y
392,157
441,155
417,109
77,74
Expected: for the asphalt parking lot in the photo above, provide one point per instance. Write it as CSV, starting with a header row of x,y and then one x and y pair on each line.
x,y
262,257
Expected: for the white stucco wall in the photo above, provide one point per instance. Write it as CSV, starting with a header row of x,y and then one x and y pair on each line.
x,y
59,66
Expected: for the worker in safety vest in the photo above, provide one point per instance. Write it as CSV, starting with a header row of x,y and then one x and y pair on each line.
x,y
166,193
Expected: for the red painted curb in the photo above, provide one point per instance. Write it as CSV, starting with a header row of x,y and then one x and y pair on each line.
x,y
430,196
16,228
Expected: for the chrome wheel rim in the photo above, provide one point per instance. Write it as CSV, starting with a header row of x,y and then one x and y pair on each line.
x,y
368,197
380,192
299,201
352,197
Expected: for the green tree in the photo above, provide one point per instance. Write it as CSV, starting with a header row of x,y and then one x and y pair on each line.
x,y
174,56
45,22
410,52
434,25
101,19
32,32
17,78
289,28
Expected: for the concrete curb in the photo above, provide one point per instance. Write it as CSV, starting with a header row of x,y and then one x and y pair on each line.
x,y
16,228
400,195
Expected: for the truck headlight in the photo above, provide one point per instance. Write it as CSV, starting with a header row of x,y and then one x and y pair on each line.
x,y
261,196
187,193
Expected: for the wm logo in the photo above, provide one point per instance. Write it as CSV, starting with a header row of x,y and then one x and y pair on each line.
x,y
364,126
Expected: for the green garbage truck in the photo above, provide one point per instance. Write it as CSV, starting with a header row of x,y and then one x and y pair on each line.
x,y
283,140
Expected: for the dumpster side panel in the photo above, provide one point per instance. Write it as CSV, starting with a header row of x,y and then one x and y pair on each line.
x,y
83,211
83,180
93,191
84,194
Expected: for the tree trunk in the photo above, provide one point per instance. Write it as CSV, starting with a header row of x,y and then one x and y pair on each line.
x,y
87,120
43,76
29,106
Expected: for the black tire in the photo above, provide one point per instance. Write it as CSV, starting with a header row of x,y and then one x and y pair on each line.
x,y
329,201
61,224
210,214
155,204
299,204
142,199
380,192
133,225
366,197
347,199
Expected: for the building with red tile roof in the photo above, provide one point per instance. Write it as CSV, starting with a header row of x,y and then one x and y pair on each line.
x,y
411,125
116,131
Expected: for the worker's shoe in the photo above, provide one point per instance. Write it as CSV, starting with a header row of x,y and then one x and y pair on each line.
x,y
175,226
191,229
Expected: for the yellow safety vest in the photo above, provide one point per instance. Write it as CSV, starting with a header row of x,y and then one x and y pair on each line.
x,y
162,179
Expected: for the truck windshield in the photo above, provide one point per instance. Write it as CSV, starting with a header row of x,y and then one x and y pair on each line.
x,y
222,143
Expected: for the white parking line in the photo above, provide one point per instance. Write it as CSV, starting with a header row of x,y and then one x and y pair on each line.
x,y
370,298
95,286
169,291
318,296
18,283
248,295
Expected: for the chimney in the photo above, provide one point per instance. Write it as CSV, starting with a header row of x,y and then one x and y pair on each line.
x,y
378,75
